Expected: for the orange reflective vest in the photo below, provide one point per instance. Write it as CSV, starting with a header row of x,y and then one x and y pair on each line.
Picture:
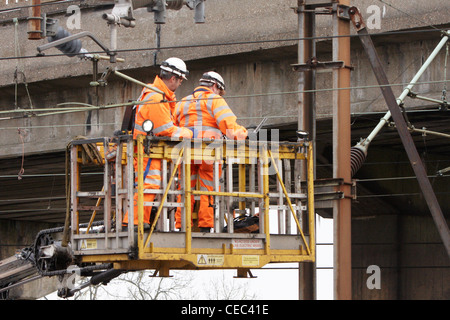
x,y
159,112
209,114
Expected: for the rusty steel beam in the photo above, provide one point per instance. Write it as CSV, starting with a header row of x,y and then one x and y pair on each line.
x,y
306,121
402,128
35,21
341,154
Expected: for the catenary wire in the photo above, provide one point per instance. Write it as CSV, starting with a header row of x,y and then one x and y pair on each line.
x,y
64,110
409,15
249,42
285,268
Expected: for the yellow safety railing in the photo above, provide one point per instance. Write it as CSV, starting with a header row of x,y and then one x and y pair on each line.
x,y
248,176
243,154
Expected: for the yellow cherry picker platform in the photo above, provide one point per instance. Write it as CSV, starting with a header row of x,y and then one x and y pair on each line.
x,y
241,191
257,219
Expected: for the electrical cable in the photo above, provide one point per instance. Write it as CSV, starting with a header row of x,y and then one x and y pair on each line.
x,y
33,199
58,126
234,43
243,96
92,107
41,175
353,115
396,178
89,107
274,40
81,1
409,15
195,46
17,71
417,194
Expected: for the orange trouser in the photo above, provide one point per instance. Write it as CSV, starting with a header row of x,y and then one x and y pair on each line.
x,y
205,173
152,180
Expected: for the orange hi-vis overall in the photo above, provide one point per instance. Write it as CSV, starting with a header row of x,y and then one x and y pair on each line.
x,y
209,116
160,113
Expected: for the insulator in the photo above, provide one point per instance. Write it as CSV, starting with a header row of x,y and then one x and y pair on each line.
x,y
358,155
71,48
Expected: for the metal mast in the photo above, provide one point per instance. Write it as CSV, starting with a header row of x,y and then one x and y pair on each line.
x,y
308,63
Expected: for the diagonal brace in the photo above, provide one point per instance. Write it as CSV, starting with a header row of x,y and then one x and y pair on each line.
x,y
402,129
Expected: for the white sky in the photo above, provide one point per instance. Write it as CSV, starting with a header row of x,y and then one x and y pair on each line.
x,y
283,284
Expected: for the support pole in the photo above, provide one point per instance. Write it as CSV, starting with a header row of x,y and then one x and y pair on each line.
x,y
306,121
341,156
140,197
34,21
187,195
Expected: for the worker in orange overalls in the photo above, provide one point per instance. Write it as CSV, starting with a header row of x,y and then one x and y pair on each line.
x,y
158,109
207,114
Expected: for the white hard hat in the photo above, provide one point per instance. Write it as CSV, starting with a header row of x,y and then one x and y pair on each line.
x,y
176,66
213,77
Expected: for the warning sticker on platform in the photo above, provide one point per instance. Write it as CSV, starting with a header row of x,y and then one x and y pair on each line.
x,y
247,244
250,261
210,259
88,244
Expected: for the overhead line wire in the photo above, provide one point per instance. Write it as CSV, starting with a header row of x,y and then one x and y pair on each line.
x,y
409,15
192,46
91,107
81,1
88,107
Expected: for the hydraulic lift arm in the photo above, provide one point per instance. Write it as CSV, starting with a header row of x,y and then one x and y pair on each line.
x,y
402,128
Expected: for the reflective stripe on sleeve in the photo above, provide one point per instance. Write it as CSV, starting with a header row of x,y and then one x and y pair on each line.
x,y
207,183
150,95
221,108
152,181
177,134
163,127
198,110
138,127
225,115
154,172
